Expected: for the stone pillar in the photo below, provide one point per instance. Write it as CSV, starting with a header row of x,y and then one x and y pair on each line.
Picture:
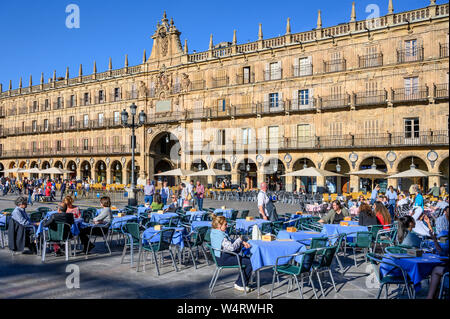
x,y
320,181
432,180
109,175
260,177
393,182
235,177
354,183
289,182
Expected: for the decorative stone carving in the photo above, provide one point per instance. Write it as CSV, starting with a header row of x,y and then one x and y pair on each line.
x,y
185,83
142,89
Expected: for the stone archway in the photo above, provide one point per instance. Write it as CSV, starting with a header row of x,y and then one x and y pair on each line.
x,y
100,172
444,170
273,170
365,184
248,173
309,184
72,166
116,172
86,170
405,164
164,166
223,165
338,184
165,146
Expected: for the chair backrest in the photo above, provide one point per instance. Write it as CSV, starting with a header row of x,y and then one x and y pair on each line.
x,y
173,221
44,210
234,214
212,253
207,237
165,239
266,228
36,217
198,235
318,242
374,229
363,239
87,215
5,226
61,233
244,214
326,255
133,230
307,260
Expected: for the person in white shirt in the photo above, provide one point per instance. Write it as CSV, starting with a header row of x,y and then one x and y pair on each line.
x,y
263,199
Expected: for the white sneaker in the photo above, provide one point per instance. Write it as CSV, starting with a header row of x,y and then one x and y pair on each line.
x,y
247,289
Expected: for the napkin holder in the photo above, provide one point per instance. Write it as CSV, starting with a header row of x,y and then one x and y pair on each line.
x,y
291,229
347,219
268,237
120,215
157,227
344,224
160,212
192,210
249,218
223,207
415,252
298,213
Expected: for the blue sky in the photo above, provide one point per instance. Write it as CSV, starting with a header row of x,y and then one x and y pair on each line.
x,y
35,38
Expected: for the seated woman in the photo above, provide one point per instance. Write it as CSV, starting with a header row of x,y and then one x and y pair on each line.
x,y
367,217
75,210
382,214
220,240
406,236
157,202
104,218
336,214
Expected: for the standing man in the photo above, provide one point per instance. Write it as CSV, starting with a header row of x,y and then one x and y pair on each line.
x,y
63,189
149,191
200,194
434,191
165,193
373,197
190,191
263,199
391,195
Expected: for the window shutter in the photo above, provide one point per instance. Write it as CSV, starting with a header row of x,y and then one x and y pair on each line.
x,y
311,96
296,67
280,99
266,100
279,70
295,98
267,72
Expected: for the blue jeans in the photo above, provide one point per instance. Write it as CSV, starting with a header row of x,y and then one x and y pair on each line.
x,y
372,201
391,208
164,201
200,203
148,199
29,200
231,260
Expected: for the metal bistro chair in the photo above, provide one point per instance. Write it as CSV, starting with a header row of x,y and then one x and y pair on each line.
x,y
36,217
103,229
389,279
325,256
132,235
4,231
385,236
338,240
294,270
61,236
219,268
444,286
363,241
195,239
162,245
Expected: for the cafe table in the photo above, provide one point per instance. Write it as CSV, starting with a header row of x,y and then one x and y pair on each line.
x,y
197,223
177,238
332,230
243,224
264,254
303,237
161,218
225,212
197,215
417,268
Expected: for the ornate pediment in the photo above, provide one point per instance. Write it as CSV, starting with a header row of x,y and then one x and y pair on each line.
x,y
166,40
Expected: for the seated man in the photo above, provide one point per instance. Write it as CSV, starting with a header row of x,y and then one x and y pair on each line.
x,y
173,206
61,217
20,228
104,218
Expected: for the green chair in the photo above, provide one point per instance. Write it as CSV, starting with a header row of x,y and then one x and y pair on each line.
x,y
61,235
36,217
219,268
234,214
44,210
395,250
195,239
294,270
8,211
389,278
159,247
363,241
318,242
277,226
385,237
325,257
374,229
132,235
88,214
207,238
244,214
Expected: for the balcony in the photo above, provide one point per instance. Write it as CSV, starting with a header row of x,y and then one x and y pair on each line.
x,y
441,91
410,55
198,85
302,70
370,60
219,82
303,104
410,94
23,110
337,65
273,75
272,107
245,79
115,97
371,98
99,99
335,101
443,50
244,109
58,105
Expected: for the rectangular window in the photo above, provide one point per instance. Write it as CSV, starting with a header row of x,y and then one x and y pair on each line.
x,y
412,127
72,101
273,100
275,71
86,99
85,120
305,66
303,97
46,104
34,125
303,133
411,49
101,96
116,140
134,93
116,94
100,142
220,137
411,86
58,122
116,117
71,120
72,143
58,102
246,136
100,119
85,144
35,106
58,146
34,146
336,129
246,75
273,136
222,105
45,145
45,125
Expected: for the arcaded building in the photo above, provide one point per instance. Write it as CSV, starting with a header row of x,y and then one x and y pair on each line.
x,y
338,98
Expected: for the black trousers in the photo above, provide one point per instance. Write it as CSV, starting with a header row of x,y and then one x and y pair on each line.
x,y
231,260
96,231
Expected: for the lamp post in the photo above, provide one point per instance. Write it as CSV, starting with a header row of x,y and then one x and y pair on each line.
x,y
133,125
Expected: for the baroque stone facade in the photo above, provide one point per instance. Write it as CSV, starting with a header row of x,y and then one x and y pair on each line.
x,y
338,98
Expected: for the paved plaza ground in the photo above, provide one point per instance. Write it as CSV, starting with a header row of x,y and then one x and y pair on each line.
x,y
102,275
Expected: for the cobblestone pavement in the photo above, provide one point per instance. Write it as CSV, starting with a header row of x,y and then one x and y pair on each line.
x,y
103,276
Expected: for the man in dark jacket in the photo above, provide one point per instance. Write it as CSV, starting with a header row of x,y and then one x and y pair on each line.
x,y
63,189
61,217
20,229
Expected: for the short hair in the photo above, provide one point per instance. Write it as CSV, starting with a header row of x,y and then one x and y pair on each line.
x,y
21,201
62,207
364,207
105,201
217,221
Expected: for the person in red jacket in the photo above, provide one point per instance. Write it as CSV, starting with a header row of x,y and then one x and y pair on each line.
x,y
382,213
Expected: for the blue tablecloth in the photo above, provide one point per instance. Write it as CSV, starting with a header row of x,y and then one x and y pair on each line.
x,y
2,220
303,237
198,215
142,210
265,253
336,229
162,218
177,238
114,211
198,223
293,217
417,268
118,222
243,225
225,212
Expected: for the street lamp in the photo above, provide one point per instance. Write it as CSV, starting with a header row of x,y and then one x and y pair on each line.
x,y
247,167
133,125
338,167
